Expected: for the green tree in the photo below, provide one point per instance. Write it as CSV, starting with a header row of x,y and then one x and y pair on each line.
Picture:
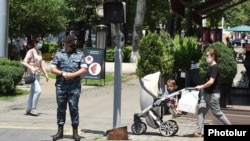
x,y
36,17
157,11
237,15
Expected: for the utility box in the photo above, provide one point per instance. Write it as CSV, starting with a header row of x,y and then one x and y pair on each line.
x,y
114,12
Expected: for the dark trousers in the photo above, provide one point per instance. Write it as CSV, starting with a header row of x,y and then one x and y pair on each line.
x,y
70,97
247,67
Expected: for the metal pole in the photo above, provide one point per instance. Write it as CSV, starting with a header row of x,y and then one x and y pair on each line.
x,y
117,84
4,28
101,36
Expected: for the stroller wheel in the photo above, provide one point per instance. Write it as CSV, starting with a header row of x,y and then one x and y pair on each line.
x,y
138,128
175,126
168,128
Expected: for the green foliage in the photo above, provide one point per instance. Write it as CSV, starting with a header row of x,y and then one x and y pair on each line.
x,y
126,52
49,47
226,62
11,73
6,83
186,50
18,92
110,54
156,11
37,17
236,15
154,50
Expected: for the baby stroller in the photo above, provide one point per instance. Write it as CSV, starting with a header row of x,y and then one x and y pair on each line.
x,y
152,105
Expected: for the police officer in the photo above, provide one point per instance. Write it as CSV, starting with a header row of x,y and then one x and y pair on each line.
x,y
69,65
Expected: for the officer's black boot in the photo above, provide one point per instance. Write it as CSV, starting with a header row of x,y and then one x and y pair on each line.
x,y
59,134
75,134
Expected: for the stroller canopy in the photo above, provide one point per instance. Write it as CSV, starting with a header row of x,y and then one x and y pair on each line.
x,y
149,89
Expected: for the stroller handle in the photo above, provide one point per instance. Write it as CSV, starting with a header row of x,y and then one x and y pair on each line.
x,y
179,92
190,88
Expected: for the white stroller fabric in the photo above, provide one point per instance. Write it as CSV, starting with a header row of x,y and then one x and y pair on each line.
x,y
188,101
150,82
149,90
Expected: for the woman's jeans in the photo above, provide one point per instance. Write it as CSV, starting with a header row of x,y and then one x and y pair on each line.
x,y
212,102
35,92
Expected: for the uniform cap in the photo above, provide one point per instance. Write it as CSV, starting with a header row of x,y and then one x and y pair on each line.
x,y
70,38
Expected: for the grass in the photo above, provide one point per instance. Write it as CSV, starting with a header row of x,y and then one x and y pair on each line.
x,y
19,92
109,78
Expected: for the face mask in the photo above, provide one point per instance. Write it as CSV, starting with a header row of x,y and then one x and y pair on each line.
x,y
208,60
39,46
74,46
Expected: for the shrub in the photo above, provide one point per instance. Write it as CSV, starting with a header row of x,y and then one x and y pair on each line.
x,y
7,86
126,52
11,73
49,47
228,69
186,50
110,54
226,62
154,50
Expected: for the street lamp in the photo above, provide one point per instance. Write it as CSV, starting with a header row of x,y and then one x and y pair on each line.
x,y
101,31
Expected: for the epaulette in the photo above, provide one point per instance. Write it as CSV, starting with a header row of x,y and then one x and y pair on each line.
x,y
79,51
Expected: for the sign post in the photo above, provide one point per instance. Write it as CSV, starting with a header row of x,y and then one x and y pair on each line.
x,y
114,12
117,86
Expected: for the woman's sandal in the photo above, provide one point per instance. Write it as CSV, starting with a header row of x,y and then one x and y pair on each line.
x,y
196,134
177,114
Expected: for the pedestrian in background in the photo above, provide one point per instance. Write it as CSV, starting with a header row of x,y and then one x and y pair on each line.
x,y
16,49
210,93
68,65
247,66
33,62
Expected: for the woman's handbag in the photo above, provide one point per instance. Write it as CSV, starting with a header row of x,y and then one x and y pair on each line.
x,y
29,77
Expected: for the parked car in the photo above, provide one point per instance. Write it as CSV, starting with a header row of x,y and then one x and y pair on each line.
x,y
236,42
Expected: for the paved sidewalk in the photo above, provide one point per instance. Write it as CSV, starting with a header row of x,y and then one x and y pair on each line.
x,y
96,114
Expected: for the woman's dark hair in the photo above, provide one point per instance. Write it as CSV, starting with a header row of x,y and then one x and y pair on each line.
x,y
35,41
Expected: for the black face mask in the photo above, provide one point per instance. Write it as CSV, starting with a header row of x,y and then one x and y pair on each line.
x,y
74,46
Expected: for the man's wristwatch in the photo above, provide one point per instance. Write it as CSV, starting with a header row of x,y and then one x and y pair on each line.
x,y
62,76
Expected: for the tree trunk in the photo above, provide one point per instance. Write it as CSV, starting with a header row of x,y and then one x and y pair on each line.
x,y
138,26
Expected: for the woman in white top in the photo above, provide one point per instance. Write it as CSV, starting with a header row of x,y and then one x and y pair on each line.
x,y
33,62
